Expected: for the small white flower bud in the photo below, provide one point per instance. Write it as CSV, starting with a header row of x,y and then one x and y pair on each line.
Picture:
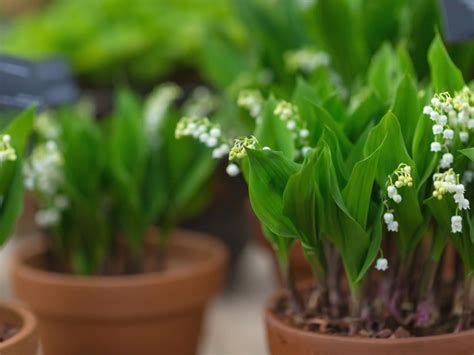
x,y
291,125
448,134
392,226
304,133
6,138
215,132
427,110
381,264
211,141
232,170
388,217
435,147
391,191
464,136
434,115
305,151
442,119
437,129
397,198
456,224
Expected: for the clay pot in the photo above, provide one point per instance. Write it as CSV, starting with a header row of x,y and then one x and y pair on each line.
x,y
25,342
146,314
284,339
299,266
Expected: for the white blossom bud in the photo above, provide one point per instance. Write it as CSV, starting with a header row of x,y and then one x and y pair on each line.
x,y
437,129
232,170
392,226
381,264
435,147
456,224
388,217
448,134
464,136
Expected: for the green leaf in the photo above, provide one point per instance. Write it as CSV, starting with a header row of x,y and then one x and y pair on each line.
x,y
393,152
11,173
407,108
425,160
272,131
444,74
358,191
268,176
299,202
468,152
384,72
337,224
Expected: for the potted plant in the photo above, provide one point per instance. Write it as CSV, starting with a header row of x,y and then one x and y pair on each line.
x,y
17,324
378,215
104,280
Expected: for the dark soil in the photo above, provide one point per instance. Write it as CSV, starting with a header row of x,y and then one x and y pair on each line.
x,y
7,331
383,326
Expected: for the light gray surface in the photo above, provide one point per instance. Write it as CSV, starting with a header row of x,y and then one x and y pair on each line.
x,y
234,323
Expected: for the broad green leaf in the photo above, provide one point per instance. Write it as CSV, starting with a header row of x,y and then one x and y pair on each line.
x,y
268,176
425,160
299,202
468,152
336,222
444,74
384,72
407,108
272,131
365,107
393,152
358,191
11,173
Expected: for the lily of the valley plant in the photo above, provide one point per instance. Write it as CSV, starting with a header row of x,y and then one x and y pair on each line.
x,y
100,186
376,189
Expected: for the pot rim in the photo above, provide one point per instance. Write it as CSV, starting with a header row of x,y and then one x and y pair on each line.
x,y
27,328
271,319
217,255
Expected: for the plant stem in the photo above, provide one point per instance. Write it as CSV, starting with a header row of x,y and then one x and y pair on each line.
x,y
425,305
319,296
465,320
355,309
427,280
294,298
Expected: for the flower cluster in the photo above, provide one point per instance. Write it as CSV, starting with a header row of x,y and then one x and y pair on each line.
x,y
289,114
156,106
251,100
238,151
7,152
46,126
452,117
448,182
400,178
206,132
305,60
43,174
201,103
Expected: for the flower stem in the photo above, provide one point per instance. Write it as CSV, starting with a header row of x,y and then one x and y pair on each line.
x,y
355,309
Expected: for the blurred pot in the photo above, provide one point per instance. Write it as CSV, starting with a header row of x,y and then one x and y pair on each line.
x,y
146,314
227,206
299,266
25,341
283,339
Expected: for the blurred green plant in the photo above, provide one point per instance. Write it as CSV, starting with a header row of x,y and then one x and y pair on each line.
x,y
347,32
109,41
13,149
101,185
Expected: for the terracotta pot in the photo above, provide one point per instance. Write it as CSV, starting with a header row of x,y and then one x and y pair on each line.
x,y
284,339
25,342
300,267
147,314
